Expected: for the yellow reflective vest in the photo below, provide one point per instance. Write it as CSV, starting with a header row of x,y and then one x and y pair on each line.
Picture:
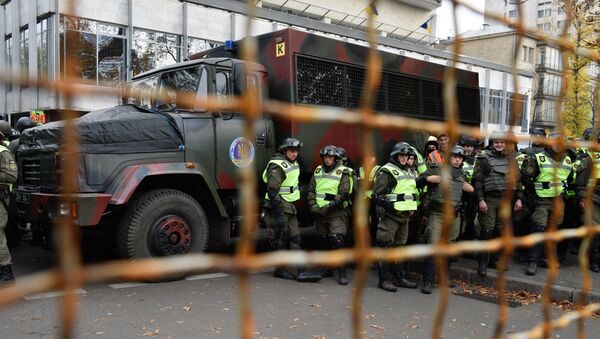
x,y
361,173
403,195
290,189
327,184
552,180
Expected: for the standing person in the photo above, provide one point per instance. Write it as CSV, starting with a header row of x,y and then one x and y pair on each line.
x,y
430,146
281,176
6,131
438,156
467,228
549,173
588,173
394,192
8,176
490,180
362,180
328,189
432,179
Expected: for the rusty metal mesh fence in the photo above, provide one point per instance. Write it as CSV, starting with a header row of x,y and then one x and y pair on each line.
x,y
72,274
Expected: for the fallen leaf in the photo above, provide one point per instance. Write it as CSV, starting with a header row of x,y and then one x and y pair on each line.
x,y
319,337
296,319
377,327
99,333
315,305
179,322
225,309
370,316
293,327
152,321
413,326
186,308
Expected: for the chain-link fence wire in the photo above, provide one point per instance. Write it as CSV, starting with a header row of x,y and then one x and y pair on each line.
x,y
71,274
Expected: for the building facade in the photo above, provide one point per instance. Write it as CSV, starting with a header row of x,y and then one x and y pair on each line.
x,y
114,40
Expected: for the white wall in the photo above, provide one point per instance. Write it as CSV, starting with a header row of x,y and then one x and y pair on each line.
x,y
114,11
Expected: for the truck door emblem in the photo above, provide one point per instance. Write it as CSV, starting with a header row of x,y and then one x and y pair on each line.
x,y
241,152
280,49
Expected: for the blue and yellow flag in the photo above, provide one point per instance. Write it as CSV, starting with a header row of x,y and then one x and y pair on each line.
x,y
371,9
426,25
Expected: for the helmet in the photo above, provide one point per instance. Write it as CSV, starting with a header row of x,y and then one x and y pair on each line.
x,y
329,150
540,132
342,154
400,148
554,135
14,135
587,134
289,143
458,150
24,123
5,129
467,140
431,141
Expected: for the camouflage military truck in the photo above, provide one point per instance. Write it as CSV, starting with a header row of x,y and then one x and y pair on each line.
x,y
161,178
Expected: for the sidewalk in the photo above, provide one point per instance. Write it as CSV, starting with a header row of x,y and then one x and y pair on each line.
x,y
567,285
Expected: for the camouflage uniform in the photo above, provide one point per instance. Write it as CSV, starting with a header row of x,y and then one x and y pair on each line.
x,y
8,176
331,219
490,180
587,174
434,208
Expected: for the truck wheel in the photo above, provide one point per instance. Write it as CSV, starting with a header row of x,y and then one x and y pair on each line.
x,y
161,223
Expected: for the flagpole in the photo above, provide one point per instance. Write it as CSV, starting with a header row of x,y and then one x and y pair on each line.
x,y
414,30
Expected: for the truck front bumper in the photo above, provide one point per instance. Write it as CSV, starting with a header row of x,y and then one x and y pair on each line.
x,y
85,209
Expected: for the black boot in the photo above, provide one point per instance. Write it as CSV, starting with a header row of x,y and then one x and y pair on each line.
x,y
531,268
482,260
323,244
385,278
308,276
400,277
428,275
6,274
282,273
342,279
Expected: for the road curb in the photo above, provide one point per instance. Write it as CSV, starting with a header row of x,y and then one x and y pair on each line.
x,y
516,284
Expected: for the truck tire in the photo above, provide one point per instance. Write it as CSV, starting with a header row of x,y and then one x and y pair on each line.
x,y
161,223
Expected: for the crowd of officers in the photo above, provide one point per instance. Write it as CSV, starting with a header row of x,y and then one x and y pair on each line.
x,y
407,199
9,142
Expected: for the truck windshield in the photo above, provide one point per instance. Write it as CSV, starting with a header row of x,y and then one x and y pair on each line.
x,y
169,84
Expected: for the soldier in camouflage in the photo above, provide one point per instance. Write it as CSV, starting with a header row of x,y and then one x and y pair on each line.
x,y
8,176
588,173
328,192
434,205
394,193
548,173
490,180
282,178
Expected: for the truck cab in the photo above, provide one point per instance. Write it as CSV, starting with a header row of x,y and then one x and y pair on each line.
x,y
158,173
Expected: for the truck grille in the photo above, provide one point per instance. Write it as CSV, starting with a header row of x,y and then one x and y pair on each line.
x,y
31,172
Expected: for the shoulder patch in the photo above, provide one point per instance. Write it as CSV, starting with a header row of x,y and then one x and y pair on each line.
x,y
542,158
12,165
318,170
568,161
338,172
596,155
394,172
284,165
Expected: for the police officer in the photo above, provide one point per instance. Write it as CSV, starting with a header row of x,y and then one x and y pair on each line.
x,y
328,190
362,180
394,193
549,175
432,178
281,176
490,180
469,200
24,123
8,176
588,171
6,131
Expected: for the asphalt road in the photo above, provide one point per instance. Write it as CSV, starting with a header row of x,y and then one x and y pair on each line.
x,y
206,306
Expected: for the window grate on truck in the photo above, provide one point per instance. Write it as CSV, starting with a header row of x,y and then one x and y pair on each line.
x,y
31,172
324,82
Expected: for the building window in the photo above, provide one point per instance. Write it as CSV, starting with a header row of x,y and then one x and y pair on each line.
x,y
530,56
24,52
197,45
560,25
154,49
98,47
495,106
513,13
540,14
42,49
548,12
540,27
547,27
524,53
521,113
8,57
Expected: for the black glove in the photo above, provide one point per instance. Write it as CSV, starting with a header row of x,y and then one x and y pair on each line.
x,y
280,221
314,209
